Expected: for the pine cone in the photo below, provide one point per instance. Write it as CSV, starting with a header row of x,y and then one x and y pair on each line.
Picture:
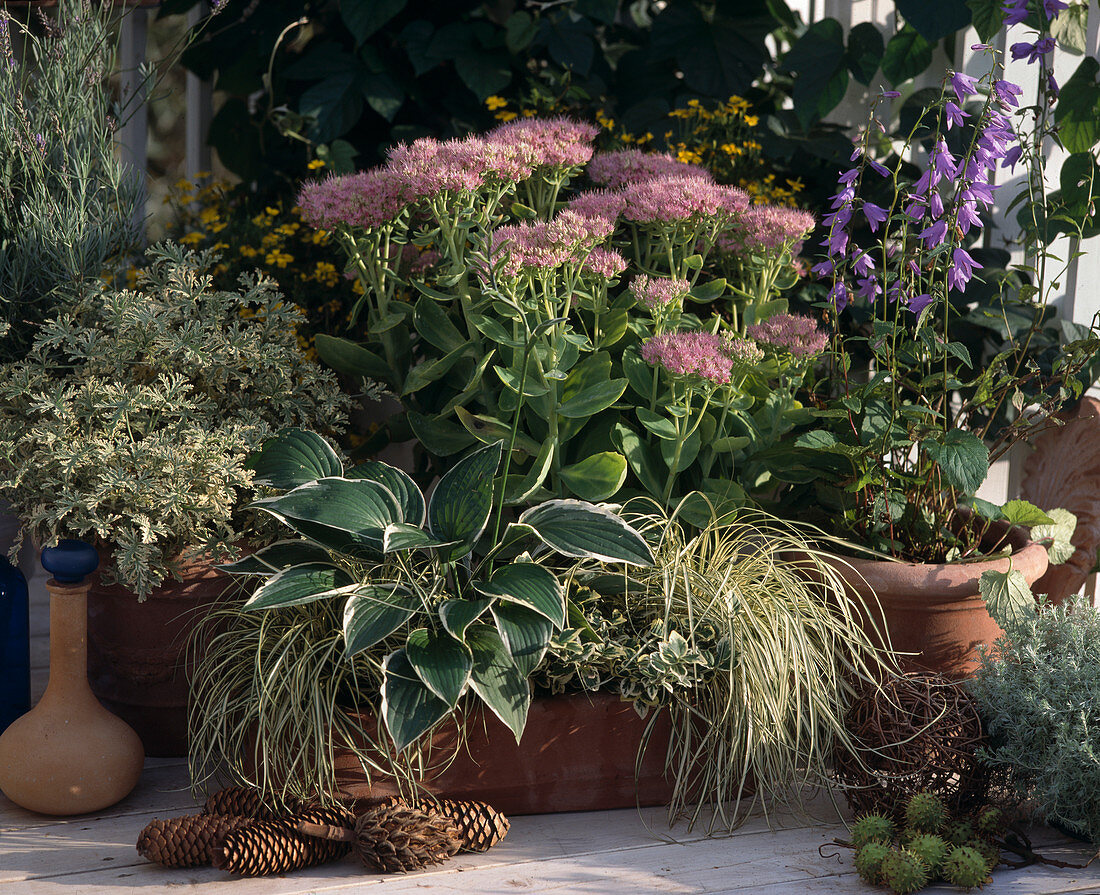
x,y
479,824
276,846
396,839
237,801
190,841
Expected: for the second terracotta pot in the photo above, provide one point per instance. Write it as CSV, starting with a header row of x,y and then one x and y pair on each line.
x,y
934,610
578,753
137,653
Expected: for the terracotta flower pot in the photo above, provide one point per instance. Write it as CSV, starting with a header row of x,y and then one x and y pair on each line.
x,y
934,609
578,753
137,653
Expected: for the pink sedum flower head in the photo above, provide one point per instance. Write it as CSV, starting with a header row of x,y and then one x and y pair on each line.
x,y
743,352
547,142
767,229
681,198
794,333
628,166
691,354
428,167
607,204
540,246
656,292
605,263
367,199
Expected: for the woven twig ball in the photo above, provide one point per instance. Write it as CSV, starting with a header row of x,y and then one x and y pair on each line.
x,y
919,733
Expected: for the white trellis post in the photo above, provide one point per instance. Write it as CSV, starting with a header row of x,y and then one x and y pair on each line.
x,y
199,109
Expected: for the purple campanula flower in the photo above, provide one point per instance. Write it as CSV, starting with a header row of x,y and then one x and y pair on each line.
x,y
977,48
1052,85
878,168
848,176
919,302
838,295
836,243
933,235
967,216
1012,157
1006,92
955,115
864,264
1015,11
868,288
838,218
963,85
1053,7
962,269
1033,52
875,215
935,204
943,163
889,94
823,269
979,190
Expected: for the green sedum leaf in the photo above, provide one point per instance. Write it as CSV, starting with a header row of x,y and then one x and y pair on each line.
x,y
293,457
597,477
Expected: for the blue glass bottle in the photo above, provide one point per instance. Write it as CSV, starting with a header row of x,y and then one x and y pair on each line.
x,y
15,644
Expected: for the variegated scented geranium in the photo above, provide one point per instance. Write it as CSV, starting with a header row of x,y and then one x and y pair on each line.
x,y
128,423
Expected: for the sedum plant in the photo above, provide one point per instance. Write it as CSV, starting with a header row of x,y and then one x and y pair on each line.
x,y
1038,692
128,422
436,617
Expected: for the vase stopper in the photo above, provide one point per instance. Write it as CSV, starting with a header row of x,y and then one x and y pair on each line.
x,y
70,561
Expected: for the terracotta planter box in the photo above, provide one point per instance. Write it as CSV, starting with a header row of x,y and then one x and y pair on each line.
x,y
934,609
137,653
578,753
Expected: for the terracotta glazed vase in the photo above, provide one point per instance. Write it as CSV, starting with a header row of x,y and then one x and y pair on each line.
x,y
137,653
934,610
577,753
69,755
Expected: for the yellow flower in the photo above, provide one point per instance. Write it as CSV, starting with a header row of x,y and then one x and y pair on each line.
x,y
217,228
315,164
261,220
495,102
326,273
192,239
184,184
209,215
357,286
219,246
689,156
274,212
796,185
278,259
752,120
247,251
529,113
319,237
505,116
288,229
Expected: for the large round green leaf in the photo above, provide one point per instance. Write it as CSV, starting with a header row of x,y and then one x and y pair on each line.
x,y
409,708
460,505
530,585
443,663
578,528
299,584
373,612
398,482
525,633
360,509
293,457
497,680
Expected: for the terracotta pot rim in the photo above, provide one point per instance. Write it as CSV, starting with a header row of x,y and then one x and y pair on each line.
x,y
939,583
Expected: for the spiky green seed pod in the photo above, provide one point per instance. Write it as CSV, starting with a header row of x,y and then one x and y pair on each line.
x,y
959,832
991,821
904,872
872,828
965,868
989,852
869,861
926,812
931,849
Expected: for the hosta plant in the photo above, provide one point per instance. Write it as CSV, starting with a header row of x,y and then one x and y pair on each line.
x,y
439,604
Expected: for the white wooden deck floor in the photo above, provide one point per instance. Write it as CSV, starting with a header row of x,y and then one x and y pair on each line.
x,y
618,852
